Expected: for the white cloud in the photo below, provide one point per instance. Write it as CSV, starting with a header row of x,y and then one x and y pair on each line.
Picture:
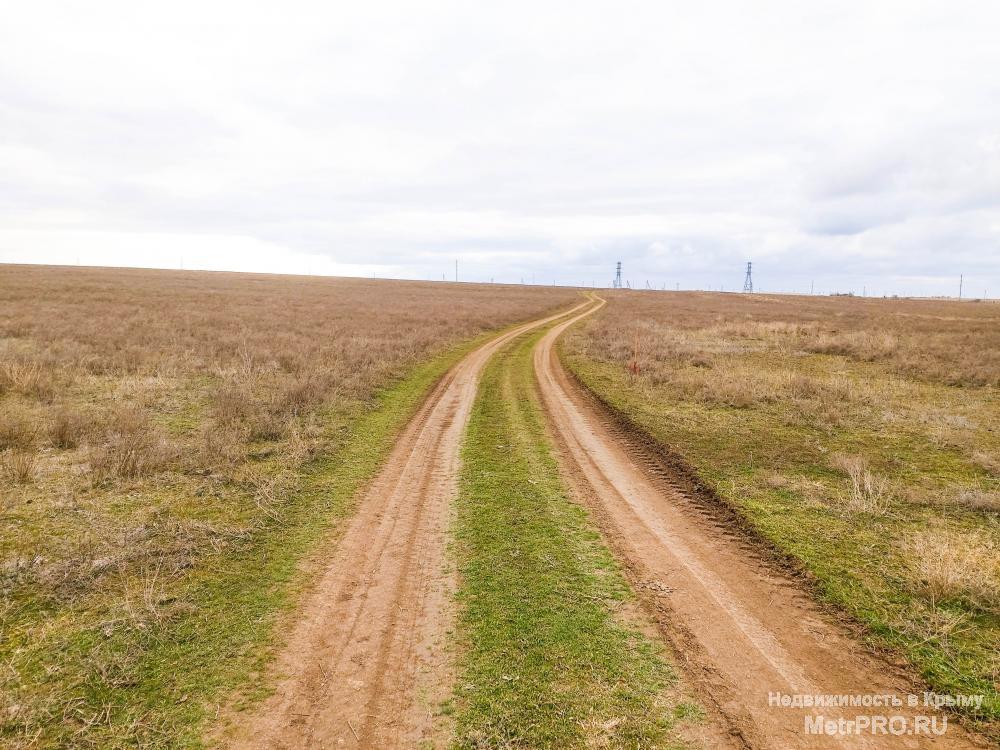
x,y
851,142
201,252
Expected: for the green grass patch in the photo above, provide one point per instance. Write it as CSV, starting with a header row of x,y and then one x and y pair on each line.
x,y
777,465
546,662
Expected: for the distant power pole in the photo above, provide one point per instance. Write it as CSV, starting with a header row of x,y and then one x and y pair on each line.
x,y
456,269
812,285
617,282
748,281
961,278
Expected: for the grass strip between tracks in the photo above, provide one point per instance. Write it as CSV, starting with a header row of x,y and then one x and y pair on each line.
x,y
546,662
158,681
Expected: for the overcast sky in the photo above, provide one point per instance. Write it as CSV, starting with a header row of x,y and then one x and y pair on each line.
x,y
856,144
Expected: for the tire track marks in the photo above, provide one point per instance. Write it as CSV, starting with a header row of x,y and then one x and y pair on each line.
x,y
366,665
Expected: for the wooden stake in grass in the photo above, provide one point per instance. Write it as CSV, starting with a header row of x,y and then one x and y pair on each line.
x,y
633,363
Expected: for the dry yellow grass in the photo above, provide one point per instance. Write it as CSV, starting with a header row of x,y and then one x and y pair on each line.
x,y
181,372
948,342
18,465
951,565
868,492
147,378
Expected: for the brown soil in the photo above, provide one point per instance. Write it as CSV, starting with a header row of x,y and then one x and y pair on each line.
x,y
366,664
740,627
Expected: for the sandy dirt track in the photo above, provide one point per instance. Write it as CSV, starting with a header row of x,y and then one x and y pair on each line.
x,y
740,629
366,665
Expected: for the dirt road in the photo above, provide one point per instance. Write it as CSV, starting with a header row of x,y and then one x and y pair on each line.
x,y
366,664
742,631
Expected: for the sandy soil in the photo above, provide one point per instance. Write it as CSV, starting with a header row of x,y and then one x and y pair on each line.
x,y
366,663
740,628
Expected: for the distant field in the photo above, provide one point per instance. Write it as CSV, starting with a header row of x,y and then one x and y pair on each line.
x,y
860,436
170,445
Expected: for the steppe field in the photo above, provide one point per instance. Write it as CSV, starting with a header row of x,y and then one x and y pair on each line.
x,y
172,445
249,511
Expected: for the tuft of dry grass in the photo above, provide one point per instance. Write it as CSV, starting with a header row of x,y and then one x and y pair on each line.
x,y
988,462
867,492
130,447
18,465
956,565
17,427
27,378
67,428
866,345
983,500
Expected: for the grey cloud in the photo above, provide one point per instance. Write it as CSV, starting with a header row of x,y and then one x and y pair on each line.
x,y
530,138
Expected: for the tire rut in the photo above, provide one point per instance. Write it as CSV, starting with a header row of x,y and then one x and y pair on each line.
x,y
740,626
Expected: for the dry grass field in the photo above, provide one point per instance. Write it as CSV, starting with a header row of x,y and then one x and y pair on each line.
x,y
162,433
861,437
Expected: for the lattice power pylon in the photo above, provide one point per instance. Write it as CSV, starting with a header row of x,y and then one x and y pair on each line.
x,y
617,282
748,281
